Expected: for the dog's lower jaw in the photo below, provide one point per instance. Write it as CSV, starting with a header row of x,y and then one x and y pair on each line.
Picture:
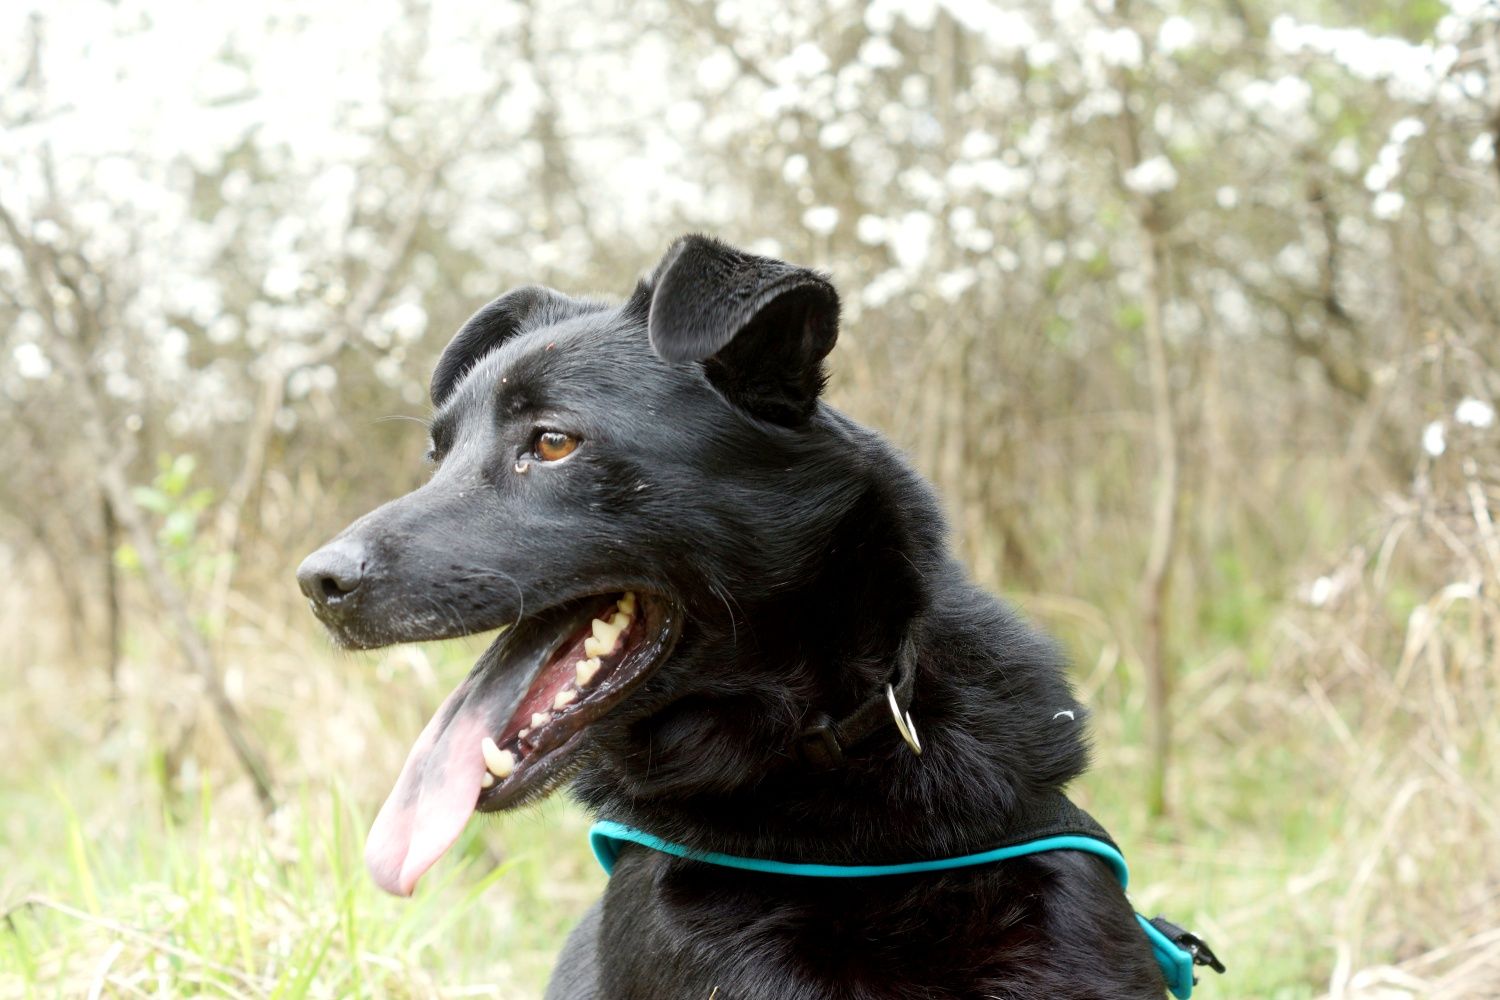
x,y
510,731
411,622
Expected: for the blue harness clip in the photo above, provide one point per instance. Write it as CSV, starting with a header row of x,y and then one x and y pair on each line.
x,y
1175,949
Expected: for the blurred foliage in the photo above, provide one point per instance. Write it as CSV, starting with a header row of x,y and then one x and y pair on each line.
x,y
180,507
247,230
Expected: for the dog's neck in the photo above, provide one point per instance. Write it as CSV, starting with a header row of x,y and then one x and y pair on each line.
x,y
713,762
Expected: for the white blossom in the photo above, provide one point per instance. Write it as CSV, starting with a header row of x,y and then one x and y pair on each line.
x,y
1411,71
1434,438
836,135
1120,47
1043,53
977,240
920,14
1406,130
992,176
977,144
1098,104
883,288
406,321
1379,176
717,70
878,53
870,229
1175,34
1474,412
1286,95
1344,157
951,285
283,278
1296,262
803,63
1153,176
1004,30
821,219
911,239
1388,204
30,362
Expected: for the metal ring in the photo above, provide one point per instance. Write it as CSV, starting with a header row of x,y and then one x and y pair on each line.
x,y
904,725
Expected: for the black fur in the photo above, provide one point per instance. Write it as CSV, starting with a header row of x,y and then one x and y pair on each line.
x,y
802,549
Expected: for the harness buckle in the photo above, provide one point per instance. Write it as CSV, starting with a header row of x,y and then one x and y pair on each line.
x,y
1190,943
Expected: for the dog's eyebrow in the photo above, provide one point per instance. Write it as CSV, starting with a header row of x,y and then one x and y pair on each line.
x,y
440,428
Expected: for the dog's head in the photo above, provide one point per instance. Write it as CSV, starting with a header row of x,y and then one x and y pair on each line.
x,y
604,477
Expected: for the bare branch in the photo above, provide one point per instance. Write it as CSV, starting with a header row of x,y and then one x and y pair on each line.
x,y
1156,577
107,455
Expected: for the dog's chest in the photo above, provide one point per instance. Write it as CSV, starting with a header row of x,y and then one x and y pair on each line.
x,y
674,929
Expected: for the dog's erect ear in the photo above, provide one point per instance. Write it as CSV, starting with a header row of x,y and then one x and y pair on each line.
x,y
516,310
760,326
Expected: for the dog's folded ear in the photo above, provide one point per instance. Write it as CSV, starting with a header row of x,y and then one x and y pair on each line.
x,y
760,326
517,310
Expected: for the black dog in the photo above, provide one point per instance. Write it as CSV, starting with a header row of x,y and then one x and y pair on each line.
x,y
710,578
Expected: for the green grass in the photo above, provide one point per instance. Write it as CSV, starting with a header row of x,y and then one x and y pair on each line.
x,y
229,906
125,875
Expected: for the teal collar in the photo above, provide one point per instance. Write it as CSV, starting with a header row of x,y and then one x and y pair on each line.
x,y
608,838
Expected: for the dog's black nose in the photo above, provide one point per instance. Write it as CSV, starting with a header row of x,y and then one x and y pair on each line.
x,y
332,574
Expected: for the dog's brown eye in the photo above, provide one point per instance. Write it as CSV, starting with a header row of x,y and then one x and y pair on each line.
x,y
553,445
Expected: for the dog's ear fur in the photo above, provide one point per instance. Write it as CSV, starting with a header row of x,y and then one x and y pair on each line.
x,y
760,326
516,310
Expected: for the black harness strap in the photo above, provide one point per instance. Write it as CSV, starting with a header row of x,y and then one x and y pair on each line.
x,y
1051,814
824,742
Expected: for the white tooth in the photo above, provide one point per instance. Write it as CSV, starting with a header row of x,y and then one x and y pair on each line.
x,y
500,762
608,632
523,734
488,781
627,603
564,698
539,719
619,621
507,764
586,670
593,647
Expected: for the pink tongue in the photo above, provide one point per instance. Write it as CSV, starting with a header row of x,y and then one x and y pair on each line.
x,y
432,800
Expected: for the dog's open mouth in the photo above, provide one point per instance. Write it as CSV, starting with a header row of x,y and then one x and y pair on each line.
x,y
510,731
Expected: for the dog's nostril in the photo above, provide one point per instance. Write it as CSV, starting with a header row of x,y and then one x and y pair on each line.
x,y
333,587
332,574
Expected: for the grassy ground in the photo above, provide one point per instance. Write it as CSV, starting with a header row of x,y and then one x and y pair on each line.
x,y
1315,838
131,882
